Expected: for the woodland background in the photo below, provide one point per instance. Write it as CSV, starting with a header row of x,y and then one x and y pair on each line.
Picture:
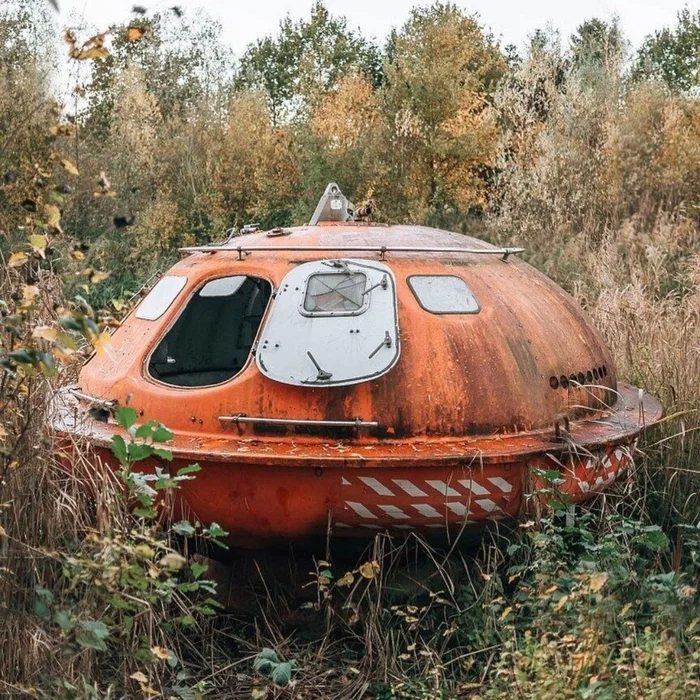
x,y
580,150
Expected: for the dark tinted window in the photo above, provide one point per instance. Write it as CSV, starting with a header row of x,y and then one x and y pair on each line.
x,y
212,338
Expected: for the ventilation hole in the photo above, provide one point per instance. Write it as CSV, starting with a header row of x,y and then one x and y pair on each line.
x,y
600,372
589,376
595,373
554,382
564,381
572,379
605,371
581,378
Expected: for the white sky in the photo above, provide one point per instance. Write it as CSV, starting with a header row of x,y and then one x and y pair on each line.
x,y
511,20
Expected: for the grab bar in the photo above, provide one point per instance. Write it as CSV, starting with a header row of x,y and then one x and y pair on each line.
x,y
382,250
91,399
243,418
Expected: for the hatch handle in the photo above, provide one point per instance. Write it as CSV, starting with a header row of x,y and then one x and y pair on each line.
x,y
322,375
385,343
384,284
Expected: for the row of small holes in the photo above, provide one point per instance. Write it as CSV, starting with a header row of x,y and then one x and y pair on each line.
x,y
592,375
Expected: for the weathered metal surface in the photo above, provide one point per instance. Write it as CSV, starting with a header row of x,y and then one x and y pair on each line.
x,y
473,397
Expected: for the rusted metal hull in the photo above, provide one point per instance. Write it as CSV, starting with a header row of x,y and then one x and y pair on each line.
x,y
264,494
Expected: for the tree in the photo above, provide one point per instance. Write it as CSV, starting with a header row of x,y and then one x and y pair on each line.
x,y
305,61
440,76
672,55
597,43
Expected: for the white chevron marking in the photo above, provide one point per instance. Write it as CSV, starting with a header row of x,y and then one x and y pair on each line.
x,y
442,488
361,510
501,483
487,504
459,509
475,488
376,486
342,525
403,527
426,510
409,487
395,513
344,481
619,454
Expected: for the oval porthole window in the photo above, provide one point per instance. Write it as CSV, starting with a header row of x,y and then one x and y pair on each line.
x,y
159,299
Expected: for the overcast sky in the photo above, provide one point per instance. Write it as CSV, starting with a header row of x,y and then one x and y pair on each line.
x,y
511,20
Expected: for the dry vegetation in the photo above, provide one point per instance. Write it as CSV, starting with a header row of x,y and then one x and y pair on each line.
x,y
166,139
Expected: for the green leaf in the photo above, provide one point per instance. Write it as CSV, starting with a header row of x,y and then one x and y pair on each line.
x,y
266,661
198,569
92,635
145,431
62,619
119,450
162,434
188,470
139,452
167,455
183,528
282,674
125,416
26,357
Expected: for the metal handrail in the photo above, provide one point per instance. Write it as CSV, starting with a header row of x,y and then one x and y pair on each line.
x,y
91,399
382,250
242,418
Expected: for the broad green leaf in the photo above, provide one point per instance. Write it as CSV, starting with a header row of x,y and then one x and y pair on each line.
x,y
198,569
92,635
183,528
119,450
162,434
125,416
188,470
139,452
282,674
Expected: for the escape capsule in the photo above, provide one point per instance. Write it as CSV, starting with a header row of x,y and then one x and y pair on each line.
x,y
347,378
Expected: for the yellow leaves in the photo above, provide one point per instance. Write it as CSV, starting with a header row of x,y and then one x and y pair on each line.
x,y
45,333
77,255
345,581
52,215
69,167
38,244
2,531
17,259
597,581
101,342
29,293
142,680
95,276
134,33
160,653
369,569
173,561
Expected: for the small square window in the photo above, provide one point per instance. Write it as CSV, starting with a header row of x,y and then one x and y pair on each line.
x,y
335,293
443,294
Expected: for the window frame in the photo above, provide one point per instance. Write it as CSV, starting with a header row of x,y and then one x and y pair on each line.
x,y
199,285
311,314
416,296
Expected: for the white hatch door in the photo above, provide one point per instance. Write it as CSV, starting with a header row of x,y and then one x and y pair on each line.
x,y
333,323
